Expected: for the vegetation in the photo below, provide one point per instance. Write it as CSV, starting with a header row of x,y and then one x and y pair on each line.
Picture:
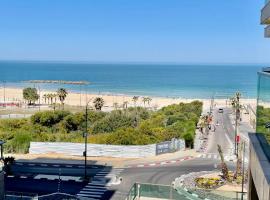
x,y
30,95
129,126
99,103
62,94
224,168
208,183
263,123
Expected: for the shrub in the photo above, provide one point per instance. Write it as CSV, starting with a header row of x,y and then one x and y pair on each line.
x,y
49,118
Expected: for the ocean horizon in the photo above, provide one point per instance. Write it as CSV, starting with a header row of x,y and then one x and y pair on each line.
x,y
160,80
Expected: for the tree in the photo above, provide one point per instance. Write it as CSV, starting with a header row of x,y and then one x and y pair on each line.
x,y
62,94
135,99
115,105
224,168
235,101
45,97
148,101
125,105
144,100
30,95
50,98
98,103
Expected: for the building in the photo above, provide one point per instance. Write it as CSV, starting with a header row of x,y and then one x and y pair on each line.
x,y
259,163
259,167
265,18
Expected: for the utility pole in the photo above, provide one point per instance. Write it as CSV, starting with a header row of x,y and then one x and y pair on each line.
x,y
243,172
85,141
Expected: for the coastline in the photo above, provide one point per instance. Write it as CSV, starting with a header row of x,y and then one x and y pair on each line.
x,y
80,99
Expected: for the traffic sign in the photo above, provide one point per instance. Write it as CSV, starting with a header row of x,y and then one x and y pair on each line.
x,y
238,138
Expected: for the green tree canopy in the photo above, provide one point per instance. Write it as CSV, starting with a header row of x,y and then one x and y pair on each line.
x,y
30,95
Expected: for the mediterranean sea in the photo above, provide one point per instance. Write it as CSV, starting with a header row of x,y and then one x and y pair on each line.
x,y
164,80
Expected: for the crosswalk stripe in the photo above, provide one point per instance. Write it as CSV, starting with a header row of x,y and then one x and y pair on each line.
x,y
96,184
91,192
94,189
92,195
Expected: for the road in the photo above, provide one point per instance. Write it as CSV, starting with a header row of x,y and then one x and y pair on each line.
x,y
223,134
98,188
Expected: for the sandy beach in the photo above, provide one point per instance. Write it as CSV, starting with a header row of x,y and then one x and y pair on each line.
x,y
80,99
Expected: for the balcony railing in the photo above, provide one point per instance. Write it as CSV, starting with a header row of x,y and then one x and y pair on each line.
x,y
165,192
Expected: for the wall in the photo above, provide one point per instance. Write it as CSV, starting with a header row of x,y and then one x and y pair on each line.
x,y
76,149
123,151
259,168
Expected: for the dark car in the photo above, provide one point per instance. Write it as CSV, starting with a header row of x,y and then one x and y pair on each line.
x,y
220,110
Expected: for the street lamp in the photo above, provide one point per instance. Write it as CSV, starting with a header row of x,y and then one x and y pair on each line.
x,y
85,135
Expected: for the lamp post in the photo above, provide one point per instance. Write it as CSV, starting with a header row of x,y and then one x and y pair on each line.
x,y
85,135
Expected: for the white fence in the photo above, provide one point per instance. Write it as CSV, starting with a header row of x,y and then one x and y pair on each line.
x,y
77,149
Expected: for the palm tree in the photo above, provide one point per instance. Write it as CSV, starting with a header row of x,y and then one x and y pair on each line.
x,y
55,97
98,103
45,97
224,168
125,104
50,97
148,101
135,99
115,105
144,100
62,94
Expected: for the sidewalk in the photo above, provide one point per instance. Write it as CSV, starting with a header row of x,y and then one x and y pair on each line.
x,y
115,162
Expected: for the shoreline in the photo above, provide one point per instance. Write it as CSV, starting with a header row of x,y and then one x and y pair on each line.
x,y
79,99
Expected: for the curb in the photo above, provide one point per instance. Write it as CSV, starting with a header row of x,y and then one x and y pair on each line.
x,y
163,163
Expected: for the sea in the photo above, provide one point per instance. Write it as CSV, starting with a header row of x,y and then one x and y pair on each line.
x,y
160,80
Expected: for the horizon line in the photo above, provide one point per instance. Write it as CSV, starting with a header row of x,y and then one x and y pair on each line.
x,y
130,62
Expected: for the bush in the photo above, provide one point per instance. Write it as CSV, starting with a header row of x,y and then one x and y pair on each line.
x,y
111,122
132,126
49,118
20,143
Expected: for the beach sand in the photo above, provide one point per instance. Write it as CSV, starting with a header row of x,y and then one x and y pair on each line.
x,y
80,99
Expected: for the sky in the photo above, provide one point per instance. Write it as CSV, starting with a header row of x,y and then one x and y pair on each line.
x,y
175,31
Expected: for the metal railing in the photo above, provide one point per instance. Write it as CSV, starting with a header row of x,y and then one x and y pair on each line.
x,y
166,192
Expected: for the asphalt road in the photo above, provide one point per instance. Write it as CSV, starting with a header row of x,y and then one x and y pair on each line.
x,y
160,175
223,134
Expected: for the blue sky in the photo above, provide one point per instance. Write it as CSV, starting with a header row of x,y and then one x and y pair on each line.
x,y
180,31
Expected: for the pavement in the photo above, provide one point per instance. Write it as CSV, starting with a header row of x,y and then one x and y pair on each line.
x,y
106,161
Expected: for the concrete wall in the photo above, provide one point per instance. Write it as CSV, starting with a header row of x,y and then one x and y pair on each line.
x,y
77,149
259,171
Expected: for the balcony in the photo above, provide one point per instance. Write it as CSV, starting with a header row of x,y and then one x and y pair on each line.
x,y
265,14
